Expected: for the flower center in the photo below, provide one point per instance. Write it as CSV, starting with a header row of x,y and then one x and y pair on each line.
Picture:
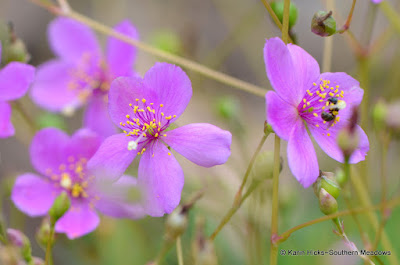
x,y
321,104
89,76
72,177
147,121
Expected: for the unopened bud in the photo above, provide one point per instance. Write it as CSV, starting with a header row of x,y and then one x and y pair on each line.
x,y
263,166
176,223
18,239
327,203
60,207
279,6
227,107
323,24
16,51
329,183
268,128
43,234
347,141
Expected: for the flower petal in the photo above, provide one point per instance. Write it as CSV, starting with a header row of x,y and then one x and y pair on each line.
x,y
112,158
161,180
289,70
281,115
47,149
96,117
51,88
202,143
15,79
172,87
124,91
330,146
84,143
118,199
121,55
79,220
353,94
6,127
302,158
33,195
70,39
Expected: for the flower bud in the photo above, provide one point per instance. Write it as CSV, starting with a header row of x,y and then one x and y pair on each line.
x,y
43,234
16,51
227,107
60,206
327,203
278,7
323,24
18,239
268,128
329,184
379,114
176,223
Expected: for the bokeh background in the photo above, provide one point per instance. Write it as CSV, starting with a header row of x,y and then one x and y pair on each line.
x,y
227,36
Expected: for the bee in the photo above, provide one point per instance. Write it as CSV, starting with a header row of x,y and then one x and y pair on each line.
x,y
334,107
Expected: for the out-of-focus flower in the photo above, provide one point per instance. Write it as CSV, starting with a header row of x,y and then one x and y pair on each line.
x,y
304,98
144,109
61,160
81,74
15,79
376,1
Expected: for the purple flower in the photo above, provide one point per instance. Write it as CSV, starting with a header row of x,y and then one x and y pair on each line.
x,y
15,79
304,98
376,1
81,74
61,160
144,109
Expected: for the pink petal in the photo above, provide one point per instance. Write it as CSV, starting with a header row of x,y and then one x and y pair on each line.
x,y
70,39
281,115
96,116
47,149
112,158
51,88
172,87
79,220
202,143
84,143
6,127
15,79
120,199
161,180
33,195
121,55
302,158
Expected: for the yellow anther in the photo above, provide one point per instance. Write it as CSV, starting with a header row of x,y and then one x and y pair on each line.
x,y
331,94
127,116
62,167
328,134
314,84
168,118
304,106
308,103
317,125
315,114
169,153
336,90
304,100
161,105
143,100
78,169
156,135
137,99
174,116
162,113
130,104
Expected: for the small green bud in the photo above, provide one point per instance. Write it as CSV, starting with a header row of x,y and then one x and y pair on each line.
x,y
379,114
16,51
328,182
263,166
323,24
167,41
278,8
268,128
60,207
176,223
43,234
327,203
347,141
18,239
227,107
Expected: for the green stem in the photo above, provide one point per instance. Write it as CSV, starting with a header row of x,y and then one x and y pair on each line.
x,y
390,204
274,17
48,256
390,14
196,67
239,199
365,200
179,250
348,21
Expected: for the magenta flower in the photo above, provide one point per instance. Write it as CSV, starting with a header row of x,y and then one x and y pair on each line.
x,y
304,98
15,79
61,160
81,74
376,1
144,109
